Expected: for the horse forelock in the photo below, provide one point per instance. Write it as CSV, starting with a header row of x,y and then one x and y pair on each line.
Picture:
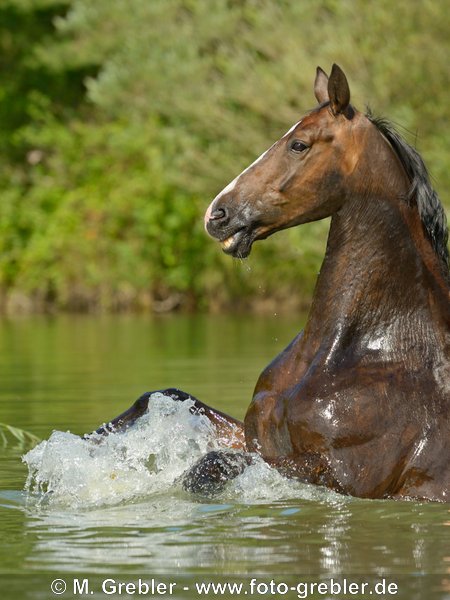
x,y
421,192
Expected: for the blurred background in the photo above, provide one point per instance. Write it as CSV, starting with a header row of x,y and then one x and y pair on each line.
x,y
120,120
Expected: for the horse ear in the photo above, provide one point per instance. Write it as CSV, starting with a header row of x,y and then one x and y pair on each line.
x,y
338,90
321,86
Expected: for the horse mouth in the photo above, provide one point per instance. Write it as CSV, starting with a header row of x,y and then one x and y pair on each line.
x,y
238,245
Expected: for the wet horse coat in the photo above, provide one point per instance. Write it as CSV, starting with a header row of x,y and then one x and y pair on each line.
x,y
359,401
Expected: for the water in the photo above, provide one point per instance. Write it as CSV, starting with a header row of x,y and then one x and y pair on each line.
x,y
117,510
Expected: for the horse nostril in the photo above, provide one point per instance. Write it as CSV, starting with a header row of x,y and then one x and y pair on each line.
x,y
218,214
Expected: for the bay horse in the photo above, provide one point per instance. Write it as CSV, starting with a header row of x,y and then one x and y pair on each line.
x,y
358,401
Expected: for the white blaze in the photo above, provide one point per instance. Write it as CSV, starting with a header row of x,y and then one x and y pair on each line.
x,y
230,187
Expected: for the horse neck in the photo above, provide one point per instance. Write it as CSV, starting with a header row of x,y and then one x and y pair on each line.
x,y
380,278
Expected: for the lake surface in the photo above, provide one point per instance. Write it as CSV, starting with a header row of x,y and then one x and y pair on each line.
x,y
108,518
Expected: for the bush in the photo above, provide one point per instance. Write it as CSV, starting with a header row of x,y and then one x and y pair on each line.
x,y
124,119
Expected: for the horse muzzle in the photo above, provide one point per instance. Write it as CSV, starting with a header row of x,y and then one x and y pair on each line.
x,y
229,229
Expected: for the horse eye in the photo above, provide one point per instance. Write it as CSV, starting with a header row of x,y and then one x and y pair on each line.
x,y
298,146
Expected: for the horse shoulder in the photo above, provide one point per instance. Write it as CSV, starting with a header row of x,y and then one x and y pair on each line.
x,y
265,419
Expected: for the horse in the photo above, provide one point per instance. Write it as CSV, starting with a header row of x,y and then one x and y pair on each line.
x,y
359,400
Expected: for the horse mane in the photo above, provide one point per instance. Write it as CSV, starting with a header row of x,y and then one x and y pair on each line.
x,y
421,192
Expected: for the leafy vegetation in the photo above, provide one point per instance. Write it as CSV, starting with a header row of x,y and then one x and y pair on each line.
x,y
22,438
122,119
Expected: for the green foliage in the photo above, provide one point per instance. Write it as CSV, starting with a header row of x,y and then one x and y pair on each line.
x,y
122,120
23,438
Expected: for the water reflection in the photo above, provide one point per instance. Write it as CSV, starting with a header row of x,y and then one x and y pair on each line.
x,y
174,532
76,373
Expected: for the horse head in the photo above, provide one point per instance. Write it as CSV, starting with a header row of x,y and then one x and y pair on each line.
x,y
302,177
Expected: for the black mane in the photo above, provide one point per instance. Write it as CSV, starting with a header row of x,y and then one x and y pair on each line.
x,y
421,192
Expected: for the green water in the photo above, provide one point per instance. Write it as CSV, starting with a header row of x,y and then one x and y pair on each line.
x,y
75,373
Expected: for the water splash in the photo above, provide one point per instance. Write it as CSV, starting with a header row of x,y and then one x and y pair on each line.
x,y
146,458
142,462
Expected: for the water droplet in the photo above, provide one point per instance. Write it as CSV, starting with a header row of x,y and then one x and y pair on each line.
x,y
290,511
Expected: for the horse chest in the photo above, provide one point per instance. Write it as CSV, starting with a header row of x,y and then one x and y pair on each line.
x,y
305,407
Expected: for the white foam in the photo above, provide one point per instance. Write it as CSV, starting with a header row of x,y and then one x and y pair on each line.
x,y
145,459
143,462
